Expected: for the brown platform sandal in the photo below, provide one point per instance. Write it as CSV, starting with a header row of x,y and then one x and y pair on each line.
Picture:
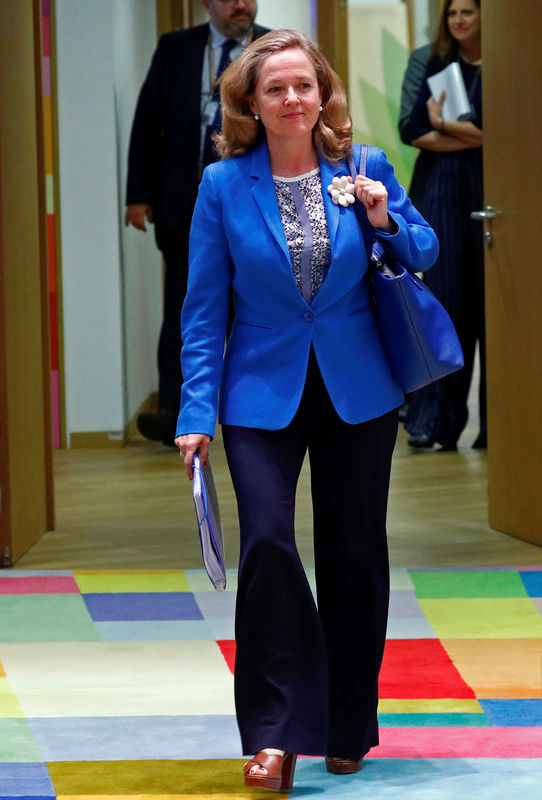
x,y
343,766
280,771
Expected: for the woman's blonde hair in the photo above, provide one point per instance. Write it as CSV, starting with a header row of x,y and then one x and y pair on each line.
x,y
332,134
444,45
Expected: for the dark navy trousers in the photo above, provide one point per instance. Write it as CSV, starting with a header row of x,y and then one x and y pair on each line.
x,y
306,675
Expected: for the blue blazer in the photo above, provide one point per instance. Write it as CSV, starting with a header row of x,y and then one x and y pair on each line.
x,y
237,241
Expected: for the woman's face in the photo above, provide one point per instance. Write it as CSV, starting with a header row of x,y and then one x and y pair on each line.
x,y
287,96
464,21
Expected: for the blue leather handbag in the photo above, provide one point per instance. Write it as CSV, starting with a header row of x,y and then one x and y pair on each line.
x,y
419,338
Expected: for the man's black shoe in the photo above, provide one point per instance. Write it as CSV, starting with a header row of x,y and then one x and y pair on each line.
x,y
423,440
480,443
158,426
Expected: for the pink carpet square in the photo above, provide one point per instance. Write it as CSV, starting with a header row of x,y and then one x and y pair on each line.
x,y
42,584
463,742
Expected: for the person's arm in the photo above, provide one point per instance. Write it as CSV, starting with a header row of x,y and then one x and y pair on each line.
x,y
440,143
412,240
423,132
412,83
204,319
464,132
145,140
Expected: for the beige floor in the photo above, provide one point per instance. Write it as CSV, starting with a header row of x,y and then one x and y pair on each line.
x,y
132,509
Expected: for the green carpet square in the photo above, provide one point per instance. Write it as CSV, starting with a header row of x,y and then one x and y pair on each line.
x,y
17,742
505,583
497,618
45,618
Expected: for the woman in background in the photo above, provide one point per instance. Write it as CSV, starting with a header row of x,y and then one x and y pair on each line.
x,y
452,166
303,369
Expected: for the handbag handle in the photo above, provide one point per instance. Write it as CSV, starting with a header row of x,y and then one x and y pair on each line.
x,y
374,248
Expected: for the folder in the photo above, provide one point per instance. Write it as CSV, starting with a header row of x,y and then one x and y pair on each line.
x,y
209,524
456,103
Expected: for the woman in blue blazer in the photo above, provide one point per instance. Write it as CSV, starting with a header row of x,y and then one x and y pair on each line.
x,y
303,369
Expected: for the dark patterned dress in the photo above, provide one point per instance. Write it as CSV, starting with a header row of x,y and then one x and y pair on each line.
x,y
453,188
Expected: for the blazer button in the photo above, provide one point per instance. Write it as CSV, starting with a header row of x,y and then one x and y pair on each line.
x,y
308,316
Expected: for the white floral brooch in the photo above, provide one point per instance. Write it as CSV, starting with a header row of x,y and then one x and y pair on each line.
x,y
342,191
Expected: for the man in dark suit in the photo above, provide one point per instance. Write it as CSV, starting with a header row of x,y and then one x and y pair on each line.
x,y
177,112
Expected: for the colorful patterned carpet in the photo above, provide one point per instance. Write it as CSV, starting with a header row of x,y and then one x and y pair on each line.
x,y
119,685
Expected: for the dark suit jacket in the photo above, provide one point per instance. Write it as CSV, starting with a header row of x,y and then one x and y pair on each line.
x,y
165,141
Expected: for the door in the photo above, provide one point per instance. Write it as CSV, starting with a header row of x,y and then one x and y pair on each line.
x,y
26,486
512,64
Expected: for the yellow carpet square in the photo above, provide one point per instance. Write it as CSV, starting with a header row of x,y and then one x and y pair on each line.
x,y
181,780
109,679
499,668
492,618
132,582
236,796
440,705
9,705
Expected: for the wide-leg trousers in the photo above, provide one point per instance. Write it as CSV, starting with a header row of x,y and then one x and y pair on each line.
x,y
306,675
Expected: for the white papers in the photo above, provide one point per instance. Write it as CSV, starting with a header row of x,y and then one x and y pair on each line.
x,y
450,80
210,527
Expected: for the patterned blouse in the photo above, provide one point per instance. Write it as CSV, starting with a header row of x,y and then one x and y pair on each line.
x,y
302,211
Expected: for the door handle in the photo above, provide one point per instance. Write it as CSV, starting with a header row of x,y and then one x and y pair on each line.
x,y
487,214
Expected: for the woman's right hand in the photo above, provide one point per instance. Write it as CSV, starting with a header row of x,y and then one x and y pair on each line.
x,y
188,443
434,110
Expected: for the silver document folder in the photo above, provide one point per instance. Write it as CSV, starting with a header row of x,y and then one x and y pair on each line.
x,y
210,527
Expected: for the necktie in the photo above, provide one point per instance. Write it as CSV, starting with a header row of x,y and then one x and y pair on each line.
x,y
209,153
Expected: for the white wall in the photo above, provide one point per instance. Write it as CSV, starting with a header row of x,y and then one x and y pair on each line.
x,y
134,42
111,291
422,33
91,291
297,14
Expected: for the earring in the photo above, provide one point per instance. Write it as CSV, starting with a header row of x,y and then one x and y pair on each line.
x,y
256,116
321,108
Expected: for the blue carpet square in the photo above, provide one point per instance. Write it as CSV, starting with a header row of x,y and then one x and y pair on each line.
x,y
216,605
405,604
144,630
409,628
137,738
513,713
25,780
532,582
142,605
424,779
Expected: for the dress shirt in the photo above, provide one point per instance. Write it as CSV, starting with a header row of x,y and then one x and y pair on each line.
x,y
209,106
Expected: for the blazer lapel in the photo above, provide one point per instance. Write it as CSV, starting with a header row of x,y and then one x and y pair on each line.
x,y
265,197
329,171
340,274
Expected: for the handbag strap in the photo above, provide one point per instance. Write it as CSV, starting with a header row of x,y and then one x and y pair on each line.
x,y
366,227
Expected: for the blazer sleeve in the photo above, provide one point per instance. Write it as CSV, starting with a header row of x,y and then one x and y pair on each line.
x,y
415,244
412,83
146,135
205,312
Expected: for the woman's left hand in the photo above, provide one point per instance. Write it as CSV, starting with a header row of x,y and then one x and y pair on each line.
x,y
373,195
